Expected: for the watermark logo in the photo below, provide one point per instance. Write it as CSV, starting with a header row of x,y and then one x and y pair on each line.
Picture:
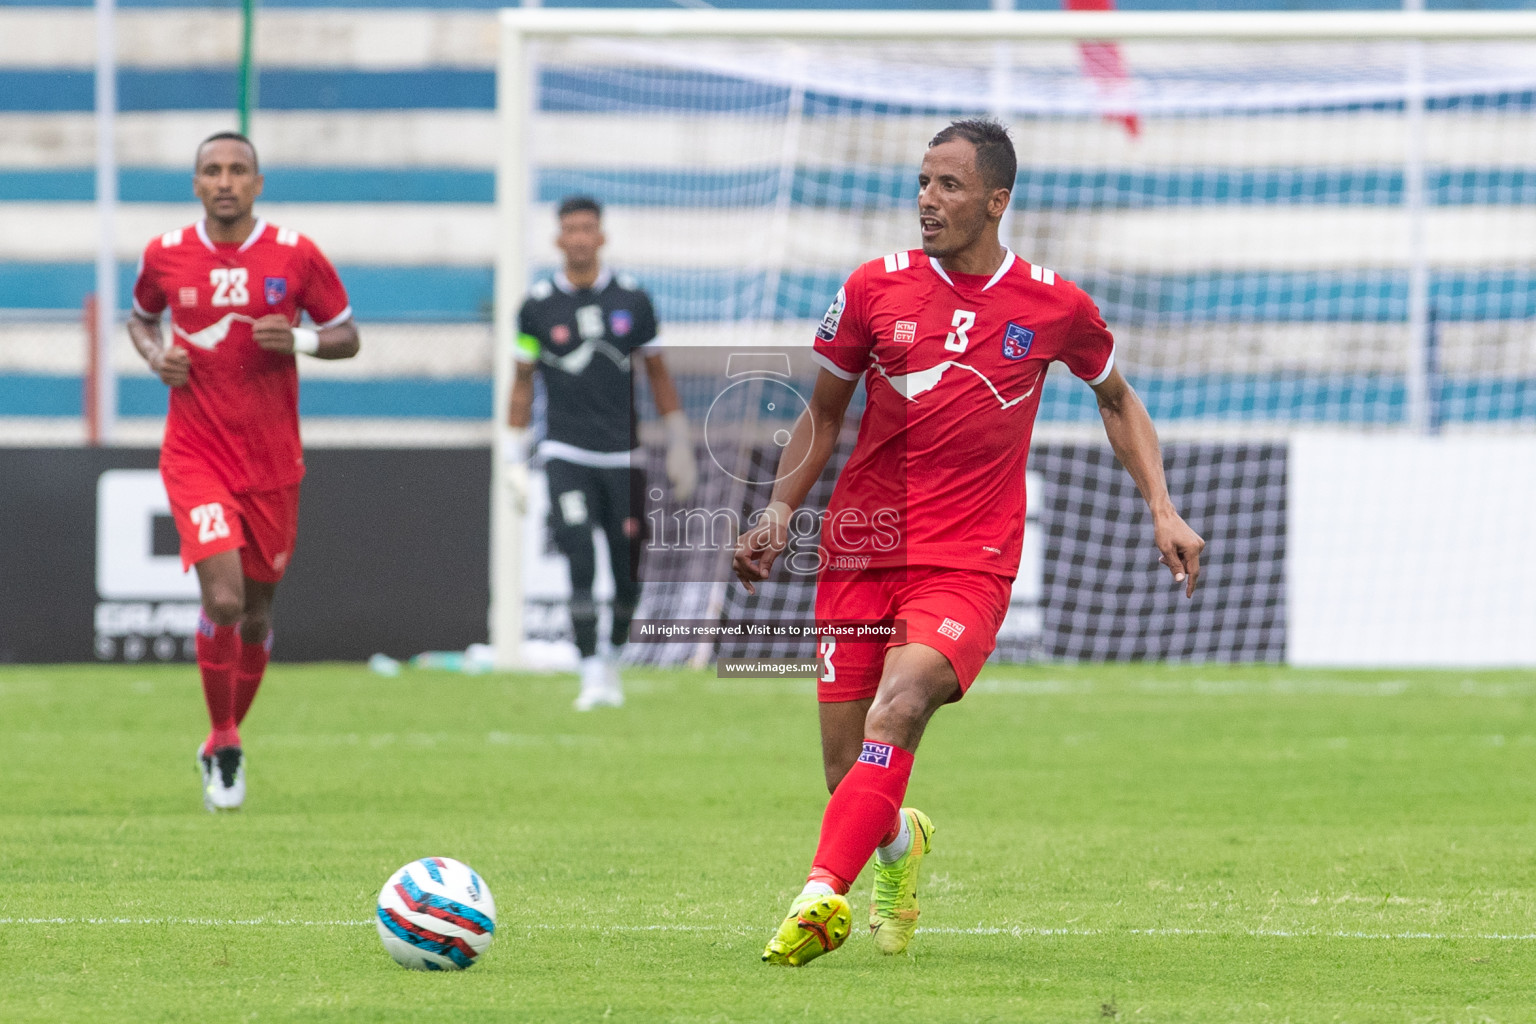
x,y
749,424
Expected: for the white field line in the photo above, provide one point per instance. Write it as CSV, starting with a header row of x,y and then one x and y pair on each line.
x,y
1013,931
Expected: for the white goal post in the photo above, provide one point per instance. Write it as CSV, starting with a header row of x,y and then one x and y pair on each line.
x,y
1384,59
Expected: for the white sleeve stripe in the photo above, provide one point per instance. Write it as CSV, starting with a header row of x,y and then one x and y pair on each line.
x,y
831,367
890,263
144,313
339,318
1109,364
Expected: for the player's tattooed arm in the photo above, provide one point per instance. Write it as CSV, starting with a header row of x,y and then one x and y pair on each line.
x,y
168,360
274,333
1134,440
811,444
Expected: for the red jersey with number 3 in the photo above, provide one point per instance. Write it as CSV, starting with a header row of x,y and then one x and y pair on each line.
x,y
953,366
238,414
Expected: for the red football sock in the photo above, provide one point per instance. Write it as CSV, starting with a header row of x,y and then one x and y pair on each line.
x,y
216,660
248,673
860,813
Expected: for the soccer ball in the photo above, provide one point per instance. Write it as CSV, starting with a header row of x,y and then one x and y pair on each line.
x,y
435,914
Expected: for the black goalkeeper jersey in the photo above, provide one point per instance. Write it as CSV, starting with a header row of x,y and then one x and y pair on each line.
x,y
582,341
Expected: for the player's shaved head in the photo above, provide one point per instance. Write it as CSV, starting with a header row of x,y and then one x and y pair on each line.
x,y
232,137
995,159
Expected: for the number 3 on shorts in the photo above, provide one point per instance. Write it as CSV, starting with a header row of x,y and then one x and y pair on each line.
x,y
209,520
828,673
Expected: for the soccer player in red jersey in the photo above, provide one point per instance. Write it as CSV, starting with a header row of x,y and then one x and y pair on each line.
x,y
231,458
926,522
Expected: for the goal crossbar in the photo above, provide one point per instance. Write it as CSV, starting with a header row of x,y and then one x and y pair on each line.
x,y
993,26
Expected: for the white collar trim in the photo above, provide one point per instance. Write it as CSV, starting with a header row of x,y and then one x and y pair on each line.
x,y
604,275
1008,260
1007,263
256,232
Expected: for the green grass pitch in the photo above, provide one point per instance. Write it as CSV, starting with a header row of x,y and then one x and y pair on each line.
x,y
1139,843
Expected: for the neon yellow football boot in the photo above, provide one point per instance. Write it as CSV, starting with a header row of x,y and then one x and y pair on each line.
x,y
816,924
893,905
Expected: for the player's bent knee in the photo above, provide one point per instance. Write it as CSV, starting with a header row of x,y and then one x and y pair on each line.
x,y
898,715
903,707
223,609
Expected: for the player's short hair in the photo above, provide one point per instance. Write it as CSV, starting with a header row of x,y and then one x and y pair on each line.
x,y
233,137
995,158
580,204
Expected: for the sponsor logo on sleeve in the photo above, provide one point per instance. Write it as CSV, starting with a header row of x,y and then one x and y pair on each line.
x,y
1016,341
951,629
275,289
878,754
828,329
620,322
906,332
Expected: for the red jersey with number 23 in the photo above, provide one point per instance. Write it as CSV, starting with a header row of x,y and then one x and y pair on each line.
x,y
953,366
238,415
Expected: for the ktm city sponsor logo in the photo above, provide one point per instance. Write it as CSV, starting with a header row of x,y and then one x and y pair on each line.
x,y
878,754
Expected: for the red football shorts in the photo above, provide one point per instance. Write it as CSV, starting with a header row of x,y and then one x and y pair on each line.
x,y
209,519
955,611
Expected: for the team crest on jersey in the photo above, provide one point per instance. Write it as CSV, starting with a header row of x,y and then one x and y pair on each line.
x,y
559,334
620,322
187,296
906,332
1016,341
276,289
828,329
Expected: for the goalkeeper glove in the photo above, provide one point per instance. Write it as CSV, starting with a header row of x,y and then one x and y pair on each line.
x,y
682,468
514,455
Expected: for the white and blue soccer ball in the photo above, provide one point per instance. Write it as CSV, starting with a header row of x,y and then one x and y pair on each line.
x,y
436,914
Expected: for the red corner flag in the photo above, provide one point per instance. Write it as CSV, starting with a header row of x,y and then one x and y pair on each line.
x,y
1105,64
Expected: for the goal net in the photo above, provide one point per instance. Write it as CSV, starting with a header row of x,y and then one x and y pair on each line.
x,y
1320,236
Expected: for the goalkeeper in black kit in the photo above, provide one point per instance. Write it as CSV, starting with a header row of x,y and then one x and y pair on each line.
x,y
579,330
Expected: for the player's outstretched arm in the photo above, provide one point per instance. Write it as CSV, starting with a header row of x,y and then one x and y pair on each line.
x,y
1134,440
811,444
169,361
274,333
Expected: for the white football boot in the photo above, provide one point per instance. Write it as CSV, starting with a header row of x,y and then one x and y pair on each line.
x,y
613,683
223,779
594,685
